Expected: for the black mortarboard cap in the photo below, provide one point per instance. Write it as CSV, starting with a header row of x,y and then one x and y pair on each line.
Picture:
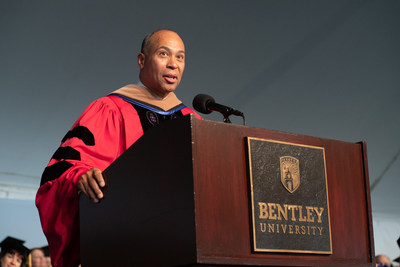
x,y
46,251
10,243
398,243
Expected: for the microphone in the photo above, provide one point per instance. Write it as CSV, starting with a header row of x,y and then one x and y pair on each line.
x,y
206,104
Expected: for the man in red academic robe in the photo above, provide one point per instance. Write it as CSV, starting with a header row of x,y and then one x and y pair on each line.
x,y
108,127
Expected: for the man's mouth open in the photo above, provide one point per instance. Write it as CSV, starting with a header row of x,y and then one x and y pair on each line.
x,y
170,78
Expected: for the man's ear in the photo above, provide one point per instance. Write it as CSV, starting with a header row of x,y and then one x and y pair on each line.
x,y
140,59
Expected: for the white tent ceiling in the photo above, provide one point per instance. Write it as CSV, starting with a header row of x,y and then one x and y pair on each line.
x,y
322,68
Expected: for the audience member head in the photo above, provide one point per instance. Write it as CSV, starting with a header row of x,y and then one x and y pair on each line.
x,y
13,252
382,261
37,258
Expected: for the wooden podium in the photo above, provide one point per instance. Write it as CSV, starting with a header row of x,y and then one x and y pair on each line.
x,y
180,197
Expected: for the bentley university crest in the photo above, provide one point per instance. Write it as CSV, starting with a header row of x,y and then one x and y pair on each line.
x,y
290,173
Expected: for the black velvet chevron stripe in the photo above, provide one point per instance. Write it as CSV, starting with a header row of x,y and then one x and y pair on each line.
x,y
67,153
54,171
82,133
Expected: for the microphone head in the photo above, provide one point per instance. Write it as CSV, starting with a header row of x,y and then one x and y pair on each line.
x,y
201,101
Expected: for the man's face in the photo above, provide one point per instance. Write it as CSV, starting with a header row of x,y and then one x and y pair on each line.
x,y
11,259
163,62
38,259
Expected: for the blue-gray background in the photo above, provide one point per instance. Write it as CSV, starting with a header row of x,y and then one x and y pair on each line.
x,y
322,68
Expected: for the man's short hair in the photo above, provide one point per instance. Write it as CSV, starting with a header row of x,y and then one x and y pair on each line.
x,y
147,39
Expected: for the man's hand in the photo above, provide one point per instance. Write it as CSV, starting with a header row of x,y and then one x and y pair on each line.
x,y
90,184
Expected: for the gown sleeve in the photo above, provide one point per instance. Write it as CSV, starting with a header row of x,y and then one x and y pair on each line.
x,y
96,139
